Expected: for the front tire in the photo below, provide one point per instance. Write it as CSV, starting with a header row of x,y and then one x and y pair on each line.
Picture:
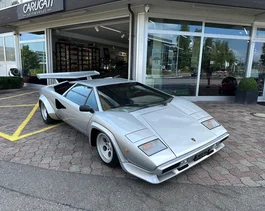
x,y
106,150
44,114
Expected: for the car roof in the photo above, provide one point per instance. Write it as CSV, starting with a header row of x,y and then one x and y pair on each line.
x,y
103,81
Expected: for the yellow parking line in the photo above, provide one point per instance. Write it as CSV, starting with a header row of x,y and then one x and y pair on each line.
x,y
8,137
16,136
25,122
15,106
38,131
18,95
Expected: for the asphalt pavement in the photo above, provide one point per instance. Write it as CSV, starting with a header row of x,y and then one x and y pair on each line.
x,y
31,188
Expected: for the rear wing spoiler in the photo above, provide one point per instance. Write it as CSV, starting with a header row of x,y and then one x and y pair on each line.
x,y
68,75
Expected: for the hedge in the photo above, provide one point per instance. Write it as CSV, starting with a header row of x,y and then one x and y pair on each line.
x,y
11,82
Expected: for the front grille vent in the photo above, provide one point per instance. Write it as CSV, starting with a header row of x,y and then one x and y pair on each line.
x,y
170,168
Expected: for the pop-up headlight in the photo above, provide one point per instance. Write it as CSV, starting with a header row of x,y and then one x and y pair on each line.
x,y
152,147
211,124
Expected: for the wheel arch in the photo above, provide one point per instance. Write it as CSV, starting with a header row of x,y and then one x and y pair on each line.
x,y
95,130
48,106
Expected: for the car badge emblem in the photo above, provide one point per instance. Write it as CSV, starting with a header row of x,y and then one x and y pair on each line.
x,y
193,139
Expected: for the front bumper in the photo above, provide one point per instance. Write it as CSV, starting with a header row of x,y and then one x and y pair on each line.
x,y
177,165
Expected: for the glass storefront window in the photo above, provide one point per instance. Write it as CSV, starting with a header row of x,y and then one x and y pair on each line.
x,y
226,29
2,56
172,63
260,32
174,25
223,65
10,48
32,36
33,57
258,65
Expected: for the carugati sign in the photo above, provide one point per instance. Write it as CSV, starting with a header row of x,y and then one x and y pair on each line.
x,y
39,7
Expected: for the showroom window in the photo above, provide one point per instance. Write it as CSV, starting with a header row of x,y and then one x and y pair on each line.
x,y
180,53
10,48
173,55
224,59
174,25
226,29
260,32
33,55
2,56
7,54
258,63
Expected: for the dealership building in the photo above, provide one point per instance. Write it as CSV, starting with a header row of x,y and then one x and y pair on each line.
x,y
198,49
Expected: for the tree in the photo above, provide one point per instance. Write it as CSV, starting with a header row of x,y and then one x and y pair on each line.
x,y
184,52
30,59
207,53
218,54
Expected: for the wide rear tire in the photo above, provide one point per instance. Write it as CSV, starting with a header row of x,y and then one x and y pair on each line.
x,y
44,114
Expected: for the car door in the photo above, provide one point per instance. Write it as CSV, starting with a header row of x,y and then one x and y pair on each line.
x,y
70,104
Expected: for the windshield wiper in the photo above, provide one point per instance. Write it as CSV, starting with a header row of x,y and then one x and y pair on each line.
x,y
128,105
168,101
164,102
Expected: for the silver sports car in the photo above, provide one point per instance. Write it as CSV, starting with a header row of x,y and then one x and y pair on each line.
x,y
151,134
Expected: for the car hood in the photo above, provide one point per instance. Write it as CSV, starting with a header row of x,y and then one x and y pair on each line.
x,y
181,132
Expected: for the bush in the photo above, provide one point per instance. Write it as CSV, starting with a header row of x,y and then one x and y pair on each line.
x,y
11,82
248,84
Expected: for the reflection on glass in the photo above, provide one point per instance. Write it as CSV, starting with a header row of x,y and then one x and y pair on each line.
x,y
258,65
32,36
172,63
260,32
223,65
225,29
2,57
174,25
33,58
10,48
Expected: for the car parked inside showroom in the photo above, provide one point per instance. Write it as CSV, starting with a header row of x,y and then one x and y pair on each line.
x,y
151,134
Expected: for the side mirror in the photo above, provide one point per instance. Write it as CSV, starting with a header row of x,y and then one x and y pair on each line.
x,y
85,108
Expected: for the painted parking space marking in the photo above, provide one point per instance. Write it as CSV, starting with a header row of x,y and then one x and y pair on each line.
x,y
16,106
25,122
5,98
16,135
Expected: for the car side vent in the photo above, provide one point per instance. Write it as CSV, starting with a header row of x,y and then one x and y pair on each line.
x,y
59,105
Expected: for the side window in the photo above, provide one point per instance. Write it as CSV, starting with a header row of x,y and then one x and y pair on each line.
x,y
76,98
78,94
92,102
82,90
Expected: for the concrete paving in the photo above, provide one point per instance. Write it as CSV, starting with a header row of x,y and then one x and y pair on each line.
x,y
240,163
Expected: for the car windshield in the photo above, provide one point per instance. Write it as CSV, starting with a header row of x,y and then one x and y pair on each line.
x,y
130,96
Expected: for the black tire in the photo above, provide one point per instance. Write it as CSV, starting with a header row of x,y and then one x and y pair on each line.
x,y
106,150
44,114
